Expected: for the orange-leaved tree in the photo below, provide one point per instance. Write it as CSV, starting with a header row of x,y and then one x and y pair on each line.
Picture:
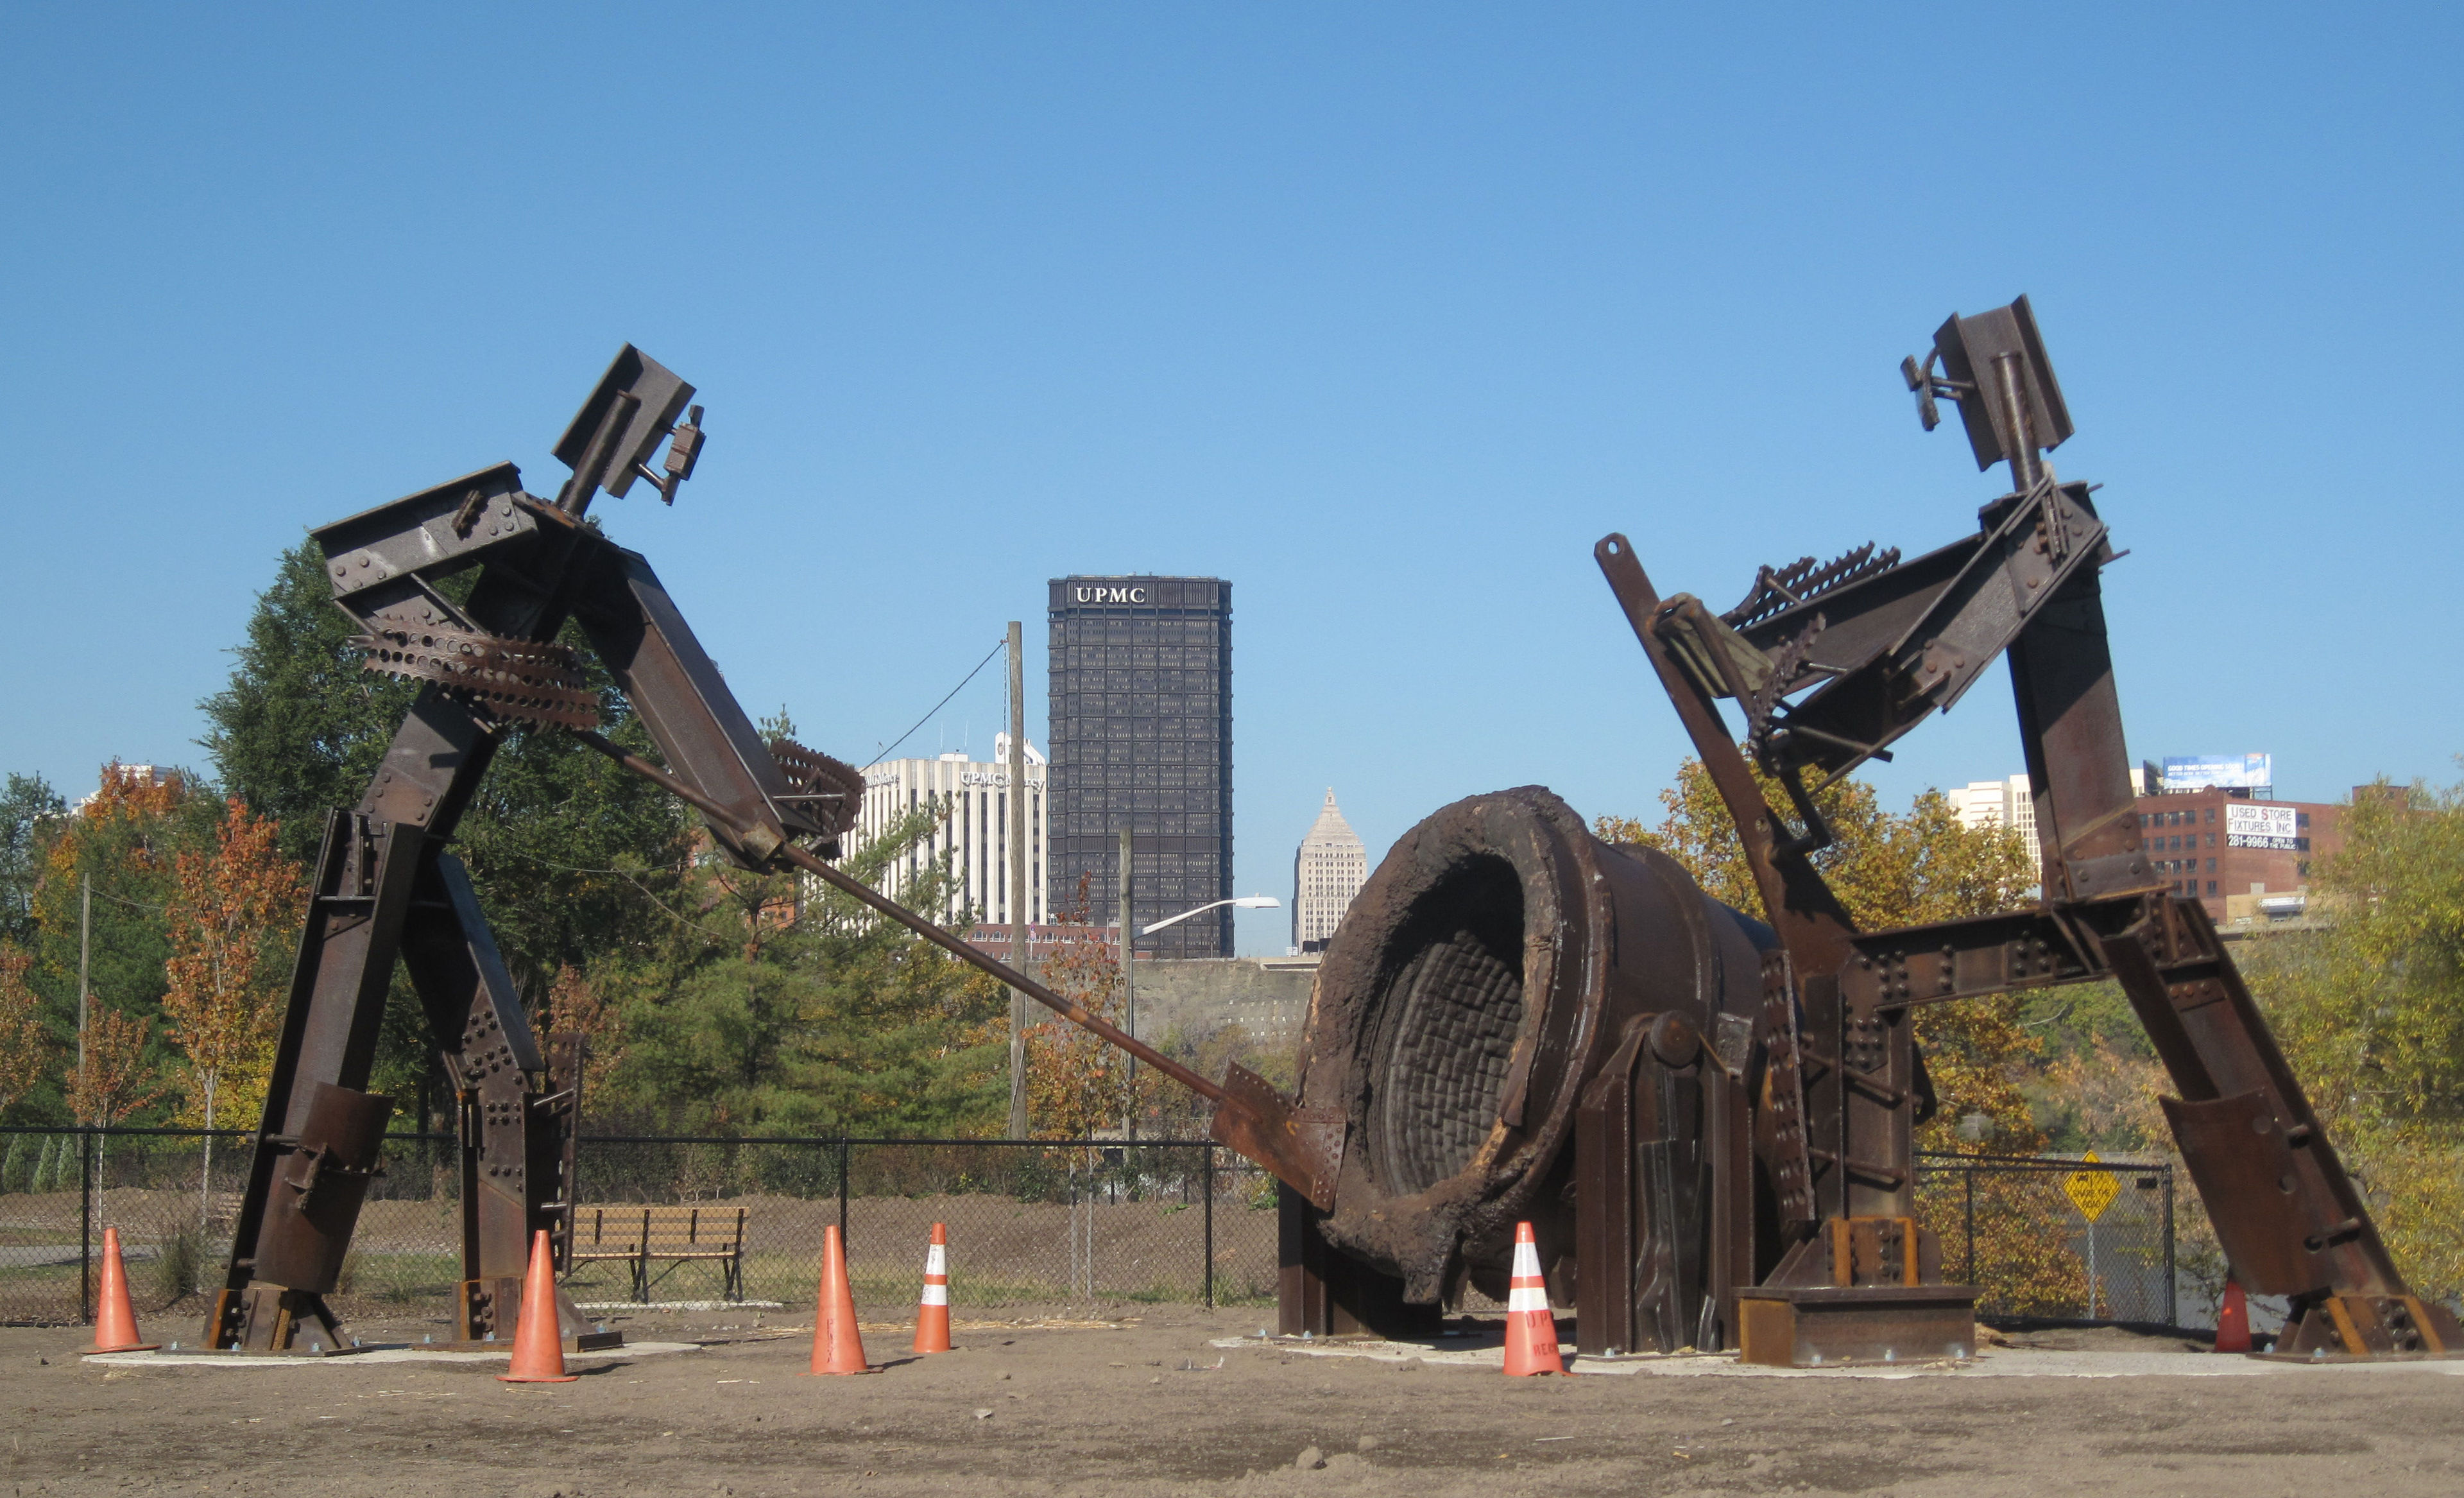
x,y
24,1043
230,910
575,1005
1076,1083
118,1077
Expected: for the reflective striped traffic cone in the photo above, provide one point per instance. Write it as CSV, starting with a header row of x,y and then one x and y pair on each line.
x,y
933,1316
539,1347
2232,1320
115,1319
1531,1327
838,1348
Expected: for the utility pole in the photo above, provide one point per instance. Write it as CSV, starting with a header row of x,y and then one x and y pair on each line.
x,y
87,1144
1128,983
1018,910
85,958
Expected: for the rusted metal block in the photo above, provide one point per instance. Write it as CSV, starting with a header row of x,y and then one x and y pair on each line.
x,y
1829,1326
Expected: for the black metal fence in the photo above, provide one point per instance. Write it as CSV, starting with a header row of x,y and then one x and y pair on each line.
x,y
1035,1226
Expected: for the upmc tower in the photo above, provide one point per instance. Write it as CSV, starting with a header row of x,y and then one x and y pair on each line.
x,y
1141,738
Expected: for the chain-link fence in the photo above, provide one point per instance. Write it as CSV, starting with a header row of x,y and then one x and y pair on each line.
x,y
1035,1226
2062,1239
1032,1223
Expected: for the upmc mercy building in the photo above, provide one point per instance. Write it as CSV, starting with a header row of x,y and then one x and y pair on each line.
x,y
1141,736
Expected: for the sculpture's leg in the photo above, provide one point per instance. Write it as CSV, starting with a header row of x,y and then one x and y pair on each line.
x,y
320,1129
366,888
515,1137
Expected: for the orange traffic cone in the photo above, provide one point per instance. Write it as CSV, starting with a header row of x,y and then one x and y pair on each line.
x,y
115,1319
838,1348
933,1316
1531,1327
538,1351
2232,1320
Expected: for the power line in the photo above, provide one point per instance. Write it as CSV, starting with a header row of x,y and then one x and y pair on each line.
x,y
997,646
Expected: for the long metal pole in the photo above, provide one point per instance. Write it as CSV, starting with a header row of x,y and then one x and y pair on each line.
x,y
1970,1174
2173,1290
86,1143
871,898
1018,913
1209,1184
85,1231
1129,987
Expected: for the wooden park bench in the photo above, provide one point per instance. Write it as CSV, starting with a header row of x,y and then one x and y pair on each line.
x,y
641,1236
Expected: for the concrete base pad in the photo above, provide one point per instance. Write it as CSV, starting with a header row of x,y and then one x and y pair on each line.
x,y
1990,1362
394,1352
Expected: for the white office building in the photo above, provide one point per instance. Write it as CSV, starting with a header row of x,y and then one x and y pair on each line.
x,y
1330,869
2000,804
975,833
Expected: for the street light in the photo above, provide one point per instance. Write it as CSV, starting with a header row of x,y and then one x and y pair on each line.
x,y
1128,984
1246,902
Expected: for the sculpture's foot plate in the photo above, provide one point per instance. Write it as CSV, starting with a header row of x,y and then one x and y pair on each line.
x,y
1825,1327
584,1342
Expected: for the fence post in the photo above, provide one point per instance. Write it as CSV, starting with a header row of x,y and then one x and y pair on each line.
x,y
843,1195
1969,1177
1208,1175
2172,1287
85,1224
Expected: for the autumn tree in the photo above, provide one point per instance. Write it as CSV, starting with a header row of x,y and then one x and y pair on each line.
x,y
230,911
580,1007
1076,1085
25,1047
118,1076
1904,869
1888,870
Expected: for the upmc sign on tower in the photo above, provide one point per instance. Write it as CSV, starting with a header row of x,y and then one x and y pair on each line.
x,y
1141,693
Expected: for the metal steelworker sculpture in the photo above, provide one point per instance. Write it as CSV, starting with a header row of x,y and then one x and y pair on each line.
x,y
1709,1118
389,886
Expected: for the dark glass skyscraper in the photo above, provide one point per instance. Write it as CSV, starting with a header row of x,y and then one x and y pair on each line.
x,y
1141,738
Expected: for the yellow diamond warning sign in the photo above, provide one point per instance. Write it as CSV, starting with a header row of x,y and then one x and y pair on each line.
x,y
2090,1191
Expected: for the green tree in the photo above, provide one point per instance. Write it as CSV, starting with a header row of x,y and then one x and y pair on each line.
x,y
560,842
778,1008
301,727
2370,1012
126,839
31,813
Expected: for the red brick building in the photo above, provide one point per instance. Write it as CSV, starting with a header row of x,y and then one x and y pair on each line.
x,y
2222,846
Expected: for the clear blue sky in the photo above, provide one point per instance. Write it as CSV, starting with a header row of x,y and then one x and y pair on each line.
x,y
1384,312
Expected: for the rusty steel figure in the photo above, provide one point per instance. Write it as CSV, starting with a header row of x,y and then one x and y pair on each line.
x,y
1710,1118
387,887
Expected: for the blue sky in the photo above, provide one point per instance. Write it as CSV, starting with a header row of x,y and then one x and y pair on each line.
x,y
1384,312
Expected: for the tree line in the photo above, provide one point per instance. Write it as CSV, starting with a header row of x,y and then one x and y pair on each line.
x,y
714,999
726,1001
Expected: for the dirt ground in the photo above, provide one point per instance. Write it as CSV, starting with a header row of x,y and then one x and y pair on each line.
x,y
1152,1407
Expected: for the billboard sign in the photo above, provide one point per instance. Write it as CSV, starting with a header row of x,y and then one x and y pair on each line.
x,y
2260,825
2219,772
